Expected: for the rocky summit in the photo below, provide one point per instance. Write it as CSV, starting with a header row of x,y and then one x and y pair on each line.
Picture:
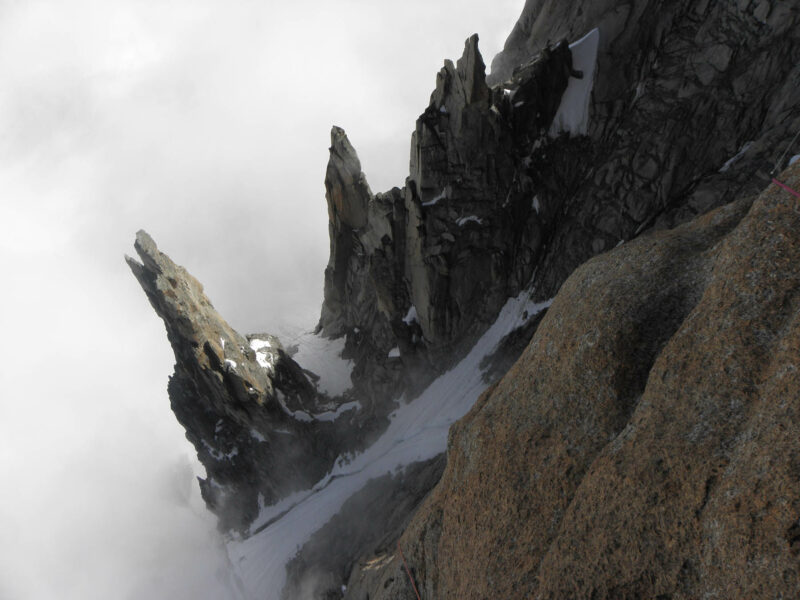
x,y
592,237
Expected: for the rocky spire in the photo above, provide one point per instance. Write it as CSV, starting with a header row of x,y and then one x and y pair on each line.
x,y
236,397
346,187
348,196
472,72
200,337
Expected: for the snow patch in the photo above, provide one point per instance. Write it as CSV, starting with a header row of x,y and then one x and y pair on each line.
x,y
411,316
262,356
231,363
794,159
323,357
730,162
573,113
257,344
470,219
220,455
332,415
299,415
417,431
536,206
442,195
394,352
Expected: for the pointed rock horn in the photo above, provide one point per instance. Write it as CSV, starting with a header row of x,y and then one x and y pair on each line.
x,y
346,187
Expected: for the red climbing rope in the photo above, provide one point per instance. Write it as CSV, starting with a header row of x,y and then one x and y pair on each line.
x,y
780,161
786,187
413,585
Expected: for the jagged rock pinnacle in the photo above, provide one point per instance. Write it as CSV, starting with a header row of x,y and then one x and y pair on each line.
x,y
348,196
346,186
236,397
472,72
196,331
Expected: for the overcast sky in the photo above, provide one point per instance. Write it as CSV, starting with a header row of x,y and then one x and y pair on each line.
x,y
206,123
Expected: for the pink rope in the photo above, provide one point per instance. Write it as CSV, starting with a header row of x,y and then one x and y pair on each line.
x,y
786,187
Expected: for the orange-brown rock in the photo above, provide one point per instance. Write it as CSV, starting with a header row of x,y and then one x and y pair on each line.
x,y
647,442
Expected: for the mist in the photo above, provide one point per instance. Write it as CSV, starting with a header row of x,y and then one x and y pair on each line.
x,y
207,124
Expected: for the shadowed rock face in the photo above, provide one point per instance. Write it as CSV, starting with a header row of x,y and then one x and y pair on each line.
x,y
232,395
681,87
645,444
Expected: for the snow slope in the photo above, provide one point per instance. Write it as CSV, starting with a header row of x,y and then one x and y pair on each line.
x,y
573,112
323,357
418,431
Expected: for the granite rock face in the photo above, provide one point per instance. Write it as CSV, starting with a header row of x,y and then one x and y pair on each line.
x,y
645,443
681,88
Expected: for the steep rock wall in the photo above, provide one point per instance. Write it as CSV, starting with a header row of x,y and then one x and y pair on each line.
x,y
645,444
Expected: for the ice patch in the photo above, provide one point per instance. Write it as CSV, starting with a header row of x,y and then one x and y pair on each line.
x,y
573,113
729,163
417,431
470,219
